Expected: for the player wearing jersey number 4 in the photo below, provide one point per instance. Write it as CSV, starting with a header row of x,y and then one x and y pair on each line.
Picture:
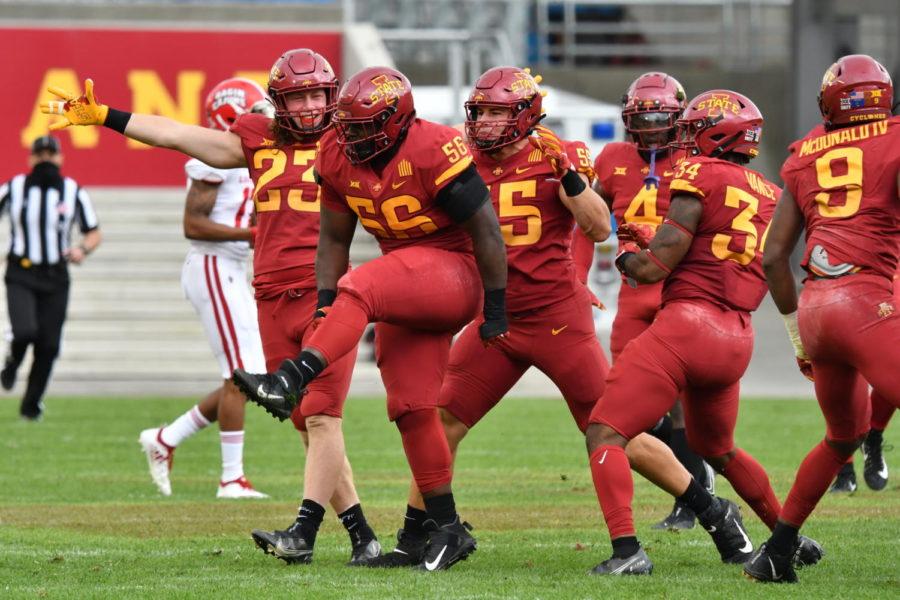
x,y
412,185
214,278
633,177
708,252
280,154
842,188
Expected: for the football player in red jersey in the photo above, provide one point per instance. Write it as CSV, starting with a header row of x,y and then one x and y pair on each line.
x,y
842,188
411,183
708,252
279,153
633,177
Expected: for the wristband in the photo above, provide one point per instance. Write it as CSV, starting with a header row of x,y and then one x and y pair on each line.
x,y
494,304
572,183
117,120
325,298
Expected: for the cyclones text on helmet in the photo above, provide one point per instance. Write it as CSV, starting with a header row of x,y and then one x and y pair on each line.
x,y
720,121
855,89
297,71
650,107
509,88
374,109
231,98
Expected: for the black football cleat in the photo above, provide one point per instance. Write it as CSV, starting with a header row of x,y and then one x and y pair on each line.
x,y
724,524
409,552
272,391
769,567
845,482
636,564
364,551
288,545
681,517
807,552
875,470
447,545
8,374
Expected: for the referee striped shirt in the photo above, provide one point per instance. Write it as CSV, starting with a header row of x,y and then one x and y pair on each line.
x,y
43,206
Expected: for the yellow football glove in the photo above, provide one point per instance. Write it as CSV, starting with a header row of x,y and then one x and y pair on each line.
x,y
77,110
554,152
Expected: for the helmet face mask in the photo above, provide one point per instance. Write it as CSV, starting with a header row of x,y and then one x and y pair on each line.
x,y
295,72
719,122
650,108
509,89
374,109
231,98
855,89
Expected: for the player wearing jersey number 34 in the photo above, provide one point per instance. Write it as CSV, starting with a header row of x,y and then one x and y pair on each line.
x,y
412,185
842,188
708,251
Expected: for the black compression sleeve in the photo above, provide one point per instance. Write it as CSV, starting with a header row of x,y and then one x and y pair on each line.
x,y
117,120
462,197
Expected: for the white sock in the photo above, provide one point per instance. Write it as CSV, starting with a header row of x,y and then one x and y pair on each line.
x,y
232,454
184,427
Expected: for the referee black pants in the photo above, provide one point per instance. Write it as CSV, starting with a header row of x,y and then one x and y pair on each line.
x,y
37,298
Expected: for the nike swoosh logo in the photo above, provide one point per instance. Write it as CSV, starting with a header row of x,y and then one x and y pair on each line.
x,y
602,458
557,331
397,185
261,392
775,576
520,170
712,529
430,566
399,551
748,545
668,173
883,473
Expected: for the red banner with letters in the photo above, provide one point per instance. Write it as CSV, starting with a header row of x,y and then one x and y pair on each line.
x,y
156,71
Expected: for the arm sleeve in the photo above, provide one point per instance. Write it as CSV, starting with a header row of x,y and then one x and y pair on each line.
x,y
463,195
87,218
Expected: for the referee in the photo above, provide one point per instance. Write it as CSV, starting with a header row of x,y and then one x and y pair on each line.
x,y
43,205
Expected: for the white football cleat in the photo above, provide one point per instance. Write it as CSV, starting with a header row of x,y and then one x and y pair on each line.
x,y
238,488
159,458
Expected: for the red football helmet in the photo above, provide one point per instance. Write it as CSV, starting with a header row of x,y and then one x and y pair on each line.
x,y
508,88
650,107
720,121
374,109
231,98
300,70
855,89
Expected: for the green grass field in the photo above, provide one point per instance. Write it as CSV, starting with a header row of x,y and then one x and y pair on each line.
x,y
79,516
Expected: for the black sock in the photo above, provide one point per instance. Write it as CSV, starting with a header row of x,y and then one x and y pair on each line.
x,y
696,497
310,517
303,369
663,430
783,539
691,461
441,509
414,522
624,547
354,521
874,436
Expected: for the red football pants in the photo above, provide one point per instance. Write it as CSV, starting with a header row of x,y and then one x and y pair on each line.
x,y
284,322
558,339
637,307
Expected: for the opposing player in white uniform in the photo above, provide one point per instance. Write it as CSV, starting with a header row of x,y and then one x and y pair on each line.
x,y
217,220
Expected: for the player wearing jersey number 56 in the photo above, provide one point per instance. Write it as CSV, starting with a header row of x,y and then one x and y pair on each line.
x,y
214,278
412,185
842,187
708,250
279,154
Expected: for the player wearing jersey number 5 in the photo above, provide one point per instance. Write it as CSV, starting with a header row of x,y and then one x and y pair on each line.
x,y
842,188
412,185
214,278
708,251
279,154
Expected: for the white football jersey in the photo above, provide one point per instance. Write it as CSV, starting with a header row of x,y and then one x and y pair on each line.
x,y
234,204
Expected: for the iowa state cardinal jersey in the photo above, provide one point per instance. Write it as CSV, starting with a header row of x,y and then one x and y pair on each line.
x,y
233,206
397,205
845,183
286,198
536,225
621,171
724,262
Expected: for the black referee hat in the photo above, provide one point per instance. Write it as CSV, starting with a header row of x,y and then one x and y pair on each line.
x,y
45,143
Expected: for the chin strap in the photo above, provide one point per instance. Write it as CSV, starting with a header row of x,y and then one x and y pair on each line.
x,y
652,179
